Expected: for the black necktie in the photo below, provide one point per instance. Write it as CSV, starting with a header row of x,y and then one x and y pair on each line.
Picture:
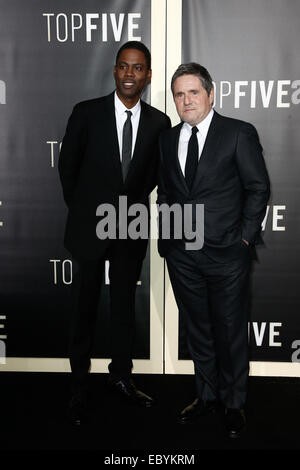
x,y
126,145
192,158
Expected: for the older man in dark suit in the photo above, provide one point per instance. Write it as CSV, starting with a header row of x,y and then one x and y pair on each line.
x,y
216,162
110,149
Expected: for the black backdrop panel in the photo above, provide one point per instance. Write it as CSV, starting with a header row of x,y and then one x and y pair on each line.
x,y
52,55
250,50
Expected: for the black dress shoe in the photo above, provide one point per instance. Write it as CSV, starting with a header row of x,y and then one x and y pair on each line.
x,y
77,410
197,409
126,389
235,422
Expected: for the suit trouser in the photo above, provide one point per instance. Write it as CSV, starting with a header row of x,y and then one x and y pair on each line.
x,y
212,295
124,271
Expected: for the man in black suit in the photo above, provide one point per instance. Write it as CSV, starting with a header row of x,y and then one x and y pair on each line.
x,y
110,149
216,162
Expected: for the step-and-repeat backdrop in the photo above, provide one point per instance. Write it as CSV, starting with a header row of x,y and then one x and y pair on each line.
x,y
55,55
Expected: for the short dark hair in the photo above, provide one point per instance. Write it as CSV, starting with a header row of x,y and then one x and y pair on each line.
x,y
140,47
192,68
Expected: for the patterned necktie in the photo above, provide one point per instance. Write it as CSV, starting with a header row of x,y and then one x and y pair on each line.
x,y
126,145
192,158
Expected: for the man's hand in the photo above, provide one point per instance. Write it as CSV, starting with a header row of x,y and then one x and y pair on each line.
x,y
245,241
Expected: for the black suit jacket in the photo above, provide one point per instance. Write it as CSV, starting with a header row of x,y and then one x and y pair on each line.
x,y
91,174
231,181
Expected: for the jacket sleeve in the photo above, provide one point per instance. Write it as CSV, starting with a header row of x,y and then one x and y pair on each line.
x,y
163,244
161,189
152,176
72,152
255,181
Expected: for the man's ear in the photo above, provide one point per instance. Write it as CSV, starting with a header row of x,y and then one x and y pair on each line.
x,y
149,76
212,96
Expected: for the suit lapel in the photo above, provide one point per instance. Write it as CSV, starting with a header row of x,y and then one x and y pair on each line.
x,y
144,125
209,149
113,135
174,153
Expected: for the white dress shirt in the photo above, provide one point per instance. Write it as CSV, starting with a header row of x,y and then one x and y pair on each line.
x,y
121,116
185,134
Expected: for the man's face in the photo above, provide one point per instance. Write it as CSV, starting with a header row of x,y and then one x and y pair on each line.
x,y
131,75
191,99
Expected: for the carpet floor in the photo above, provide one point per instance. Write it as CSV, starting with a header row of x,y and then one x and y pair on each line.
x,y
33,417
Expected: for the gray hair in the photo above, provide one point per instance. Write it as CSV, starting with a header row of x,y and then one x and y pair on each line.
x,y
192,68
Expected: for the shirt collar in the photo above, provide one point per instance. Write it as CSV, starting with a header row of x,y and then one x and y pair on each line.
x,y
121,108
203,125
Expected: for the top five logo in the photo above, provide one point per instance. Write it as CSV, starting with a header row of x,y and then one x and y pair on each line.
x,y
96,26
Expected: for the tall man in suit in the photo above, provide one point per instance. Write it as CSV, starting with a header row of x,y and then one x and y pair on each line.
x,y
215,161
110,149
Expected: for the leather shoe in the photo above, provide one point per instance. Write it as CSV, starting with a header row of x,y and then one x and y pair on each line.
x,y
126,389
77,410
235,422
197,409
